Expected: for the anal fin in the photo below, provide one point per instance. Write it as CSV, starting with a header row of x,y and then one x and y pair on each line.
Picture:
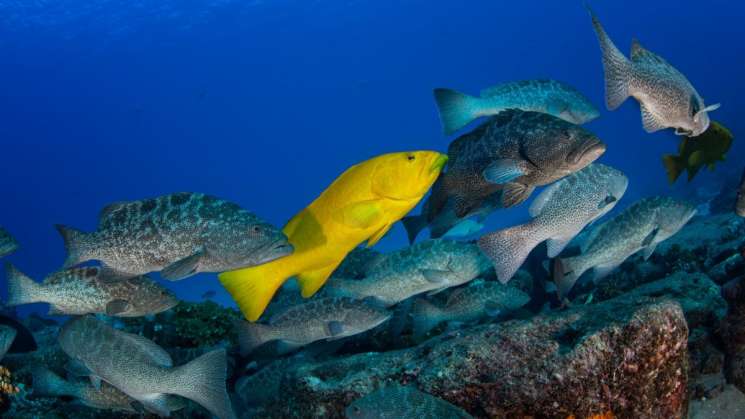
x,y
310,282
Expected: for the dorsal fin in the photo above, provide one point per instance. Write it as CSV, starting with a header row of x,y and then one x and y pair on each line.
x,y
639,54
108,209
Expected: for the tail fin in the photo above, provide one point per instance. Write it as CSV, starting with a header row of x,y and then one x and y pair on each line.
x,y
509,248
203,381
252,335
456,109
47,383
253,288
21,288
616,66
673,167
565,273
414,224
425,317
77,244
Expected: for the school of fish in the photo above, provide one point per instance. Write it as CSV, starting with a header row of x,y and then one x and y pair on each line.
x,y
531,136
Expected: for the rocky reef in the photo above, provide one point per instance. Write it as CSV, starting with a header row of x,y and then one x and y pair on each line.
x,y
661,338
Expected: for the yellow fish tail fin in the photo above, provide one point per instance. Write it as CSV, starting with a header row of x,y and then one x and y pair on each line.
x,y
253,288
672,167
310,282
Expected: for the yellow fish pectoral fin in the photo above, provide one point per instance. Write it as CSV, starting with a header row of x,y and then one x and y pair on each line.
x,y
696,159
310,282
360,214
252,288
375,238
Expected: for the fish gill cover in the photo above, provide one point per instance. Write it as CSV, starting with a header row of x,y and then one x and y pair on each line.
x,y
549,266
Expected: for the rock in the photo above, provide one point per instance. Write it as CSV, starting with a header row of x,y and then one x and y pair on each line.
x,y
729,404
733,332
627,355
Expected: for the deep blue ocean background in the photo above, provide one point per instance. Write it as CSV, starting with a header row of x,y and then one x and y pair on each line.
x,y
265,102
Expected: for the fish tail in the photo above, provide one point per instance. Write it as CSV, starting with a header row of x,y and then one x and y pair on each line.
x,y
47,383
456,109
425,317
509,248
616,66
253,288
565,273
21,288
414,224
252,335
673,167
78,245
203,381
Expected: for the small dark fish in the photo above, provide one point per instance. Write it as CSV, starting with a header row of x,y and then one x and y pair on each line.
x,y
143,370
24,339
466,305
209,295
512,153
403,402
7,336
107,397
8,244
547,96
740,206
696,152
666,97
329,318
78,291
179,234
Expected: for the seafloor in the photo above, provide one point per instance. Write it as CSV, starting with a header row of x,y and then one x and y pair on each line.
x,y
662,338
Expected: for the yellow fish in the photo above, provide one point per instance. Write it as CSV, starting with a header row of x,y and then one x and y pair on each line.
x,y
360,205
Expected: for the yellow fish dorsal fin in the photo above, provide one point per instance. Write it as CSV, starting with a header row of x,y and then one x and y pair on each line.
x,y
310,282
363,214
375,238
253,288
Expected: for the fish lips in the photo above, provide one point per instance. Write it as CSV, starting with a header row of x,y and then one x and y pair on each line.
x,y
275,250
8,248
587,152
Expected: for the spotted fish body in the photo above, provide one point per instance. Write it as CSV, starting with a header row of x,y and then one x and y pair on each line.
x,y
143,370
87,290
429,266
639,227
8,244
513,153
265,384
740,205
180,234
666,97
546,96
468,304
560,212
327,318
48,384
400,402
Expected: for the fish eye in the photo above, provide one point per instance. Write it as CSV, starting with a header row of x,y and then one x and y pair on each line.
x,y
256,229
411,157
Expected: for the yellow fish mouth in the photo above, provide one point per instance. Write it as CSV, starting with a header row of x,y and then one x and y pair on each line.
x,y
439,163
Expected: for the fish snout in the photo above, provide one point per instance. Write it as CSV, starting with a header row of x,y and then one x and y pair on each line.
x,y
275,250
440,162
587,152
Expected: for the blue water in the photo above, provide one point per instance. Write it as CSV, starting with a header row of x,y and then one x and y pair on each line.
x,y
265,102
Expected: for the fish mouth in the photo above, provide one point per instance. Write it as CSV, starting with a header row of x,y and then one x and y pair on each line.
x,y
8,249
439,163
275,250
587,152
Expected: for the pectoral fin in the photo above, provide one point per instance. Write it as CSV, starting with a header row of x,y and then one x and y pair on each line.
x,y
335,328
360,214
115,307
650,121
503,171
515,193
310,282
437,276
647,252
183,268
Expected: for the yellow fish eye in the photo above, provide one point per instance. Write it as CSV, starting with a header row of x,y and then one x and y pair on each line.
x,y
411,157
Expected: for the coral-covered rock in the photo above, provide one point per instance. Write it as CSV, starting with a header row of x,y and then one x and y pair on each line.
x,y
733,332
627,355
